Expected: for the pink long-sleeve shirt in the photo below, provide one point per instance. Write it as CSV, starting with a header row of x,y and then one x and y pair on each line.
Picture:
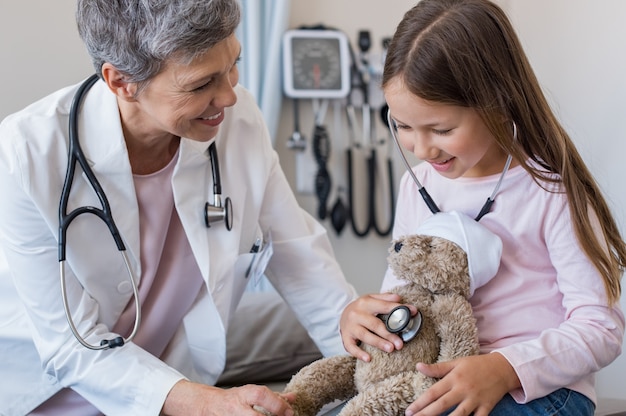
x,y
546,309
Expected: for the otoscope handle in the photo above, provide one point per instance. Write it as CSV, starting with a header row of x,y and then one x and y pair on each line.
x,y
322,190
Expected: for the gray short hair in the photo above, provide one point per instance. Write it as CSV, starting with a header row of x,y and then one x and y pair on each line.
x,y
138,36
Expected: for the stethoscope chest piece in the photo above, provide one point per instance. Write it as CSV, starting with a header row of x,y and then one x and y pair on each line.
x,y
217,212
399,321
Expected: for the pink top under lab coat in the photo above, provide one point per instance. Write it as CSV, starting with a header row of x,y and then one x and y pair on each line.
x,y
170,282
545,310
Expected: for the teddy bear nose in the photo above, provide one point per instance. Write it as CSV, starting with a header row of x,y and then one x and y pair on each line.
x,y
397,247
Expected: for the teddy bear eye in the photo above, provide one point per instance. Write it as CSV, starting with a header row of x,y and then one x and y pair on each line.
x,y
397,247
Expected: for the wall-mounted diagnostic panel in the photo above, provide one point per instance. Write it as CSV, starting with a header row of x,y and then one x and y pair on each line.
x,y
316,64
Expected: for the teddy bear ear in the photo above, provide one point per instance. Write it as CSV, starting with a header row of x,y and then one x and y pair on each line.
x,y
483,247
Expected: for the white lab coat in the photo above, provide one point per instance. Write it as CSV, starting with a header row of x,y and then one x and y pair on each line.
x,y
39,355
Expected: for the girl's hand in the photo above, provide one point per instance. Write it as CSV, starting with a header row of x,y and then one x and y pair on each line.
x,y
473,384
193,399
359,324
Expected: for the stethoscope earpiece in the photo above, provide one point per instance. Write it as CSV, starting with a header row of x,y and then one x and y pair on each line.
x,y
399,321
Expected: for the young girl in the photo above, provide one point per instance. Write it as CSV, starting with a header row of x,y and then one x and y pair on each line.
x,y
463,97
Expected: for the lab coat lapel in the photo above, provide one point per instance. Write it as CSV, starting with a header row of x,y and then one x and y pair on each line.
x,y
193,185
190,183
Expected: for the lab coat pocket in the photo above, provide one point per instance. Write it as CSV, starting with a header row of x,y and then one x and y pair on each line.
x,y
253,264
248,270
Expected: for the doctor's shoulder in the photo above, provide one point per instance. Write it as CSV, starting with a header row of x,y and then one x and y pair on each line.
x,y
246,114
49,112
244,130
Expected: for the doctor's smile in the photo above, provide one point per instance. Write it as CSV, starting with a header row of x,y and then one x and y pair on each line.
x,y
213,118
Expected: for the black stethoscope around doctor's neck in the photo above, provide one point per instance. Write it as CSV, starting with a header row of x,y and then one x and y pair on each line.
x,y
213,213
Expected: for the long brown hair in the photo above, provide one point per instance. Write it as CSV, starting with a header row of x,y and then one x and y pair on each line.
x,y
466,53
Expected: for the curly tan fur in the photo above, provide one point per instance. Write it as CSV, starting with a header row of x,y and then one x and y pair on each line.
x,y
438,284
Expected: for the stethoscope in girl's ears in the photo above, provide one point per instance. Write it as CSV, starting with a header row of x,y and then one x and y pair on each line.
x,y
213,213
432,206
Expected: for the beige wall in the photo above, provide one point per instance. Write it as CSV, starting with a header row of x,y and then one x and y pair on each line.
x,y
40,51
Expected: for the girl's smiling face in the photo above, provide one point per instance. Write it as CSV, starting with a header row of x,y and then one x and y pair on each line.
x,y
453,139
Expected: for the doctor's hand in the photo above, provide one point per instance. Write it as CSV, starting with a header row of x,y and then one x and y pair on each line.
x,y
359,324
193,399
473,384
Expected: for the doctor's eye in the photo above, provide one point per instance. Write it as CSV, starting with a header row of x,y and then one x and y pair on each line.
x,y
235,64
203,86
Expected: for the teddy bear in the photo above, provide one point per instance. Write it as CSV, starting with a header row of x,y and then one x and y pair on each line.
x,y
438,268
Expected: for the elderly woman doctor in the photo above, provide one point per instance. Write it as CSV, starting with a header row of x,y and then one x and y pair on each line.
x,y
167,92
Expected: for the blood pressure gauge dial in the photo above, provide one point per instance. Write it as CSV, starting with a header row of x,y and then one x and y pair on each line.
x,y
316,64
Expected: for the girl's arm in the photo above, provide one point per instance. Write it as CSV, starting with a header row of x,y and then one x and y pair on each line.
x,y
591,334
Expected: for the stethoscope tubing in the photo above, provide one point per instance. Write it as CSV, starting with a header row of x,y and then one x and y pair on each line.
x,y
432,206
218,211
76,155
104,344
430,203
